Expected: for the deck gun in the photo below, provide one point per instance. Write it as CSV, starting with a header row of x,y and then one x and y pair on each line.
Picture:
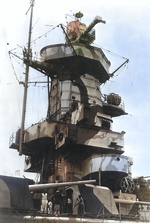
x,y
42,187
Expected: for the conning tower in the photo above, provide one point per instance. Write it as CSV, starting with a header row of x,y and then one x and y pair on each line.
x,y
76,140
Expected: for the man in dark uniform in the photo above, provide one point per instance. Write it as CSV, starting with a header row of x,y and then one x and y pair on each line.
x,y
80,204
57,199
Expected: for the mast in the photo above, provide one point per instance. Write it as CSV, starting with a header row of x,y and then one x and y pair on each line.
x,y
26,81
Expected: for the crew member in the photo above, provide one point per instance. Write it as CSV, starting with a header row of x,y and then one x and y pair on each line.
x,y
80,204
57,199
44,203
50,207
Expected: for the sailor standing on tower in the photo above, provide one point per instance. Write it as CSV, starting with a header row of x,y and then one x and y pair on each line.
x,y
80,204
50,207
57,199
44,203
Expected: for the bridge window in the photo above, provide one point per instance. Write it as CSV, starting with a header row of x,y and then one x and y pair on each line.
x,y
106,124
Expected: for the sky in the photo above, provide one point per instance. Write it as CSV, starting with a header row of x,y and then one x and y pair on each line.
x,y
125,34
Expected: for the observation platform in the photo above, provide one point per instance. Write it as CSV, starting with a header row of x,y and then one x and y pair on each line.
x,y
71,62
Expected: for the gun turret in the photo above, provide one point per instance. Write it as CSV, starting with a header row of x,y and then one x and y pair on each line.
x,y
97,19
77,31
89,35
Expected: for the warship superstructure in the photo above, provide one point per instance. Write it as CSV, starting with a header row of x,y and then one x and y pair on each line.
x,y
75,149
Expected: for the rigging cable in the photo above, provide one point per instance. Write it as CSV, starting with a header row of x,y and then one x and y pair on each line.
x,y
130,76
110,52
44,34
33,41
13,68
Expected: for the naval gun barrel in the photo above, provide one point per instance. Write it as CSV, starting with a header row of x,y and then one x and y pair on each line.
x,y
41,187
97,19
122,201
